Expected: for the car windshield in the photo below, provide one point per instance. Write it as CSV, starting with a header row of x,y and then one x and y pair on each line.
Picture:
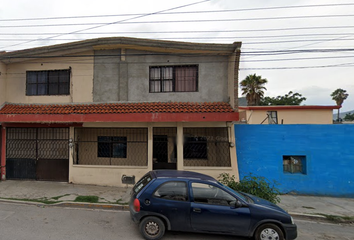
x,y
238,194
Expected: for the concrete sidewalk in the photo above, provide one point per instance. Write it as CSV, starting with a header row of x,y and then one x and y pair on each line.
x,y
317,206
64,194
117,198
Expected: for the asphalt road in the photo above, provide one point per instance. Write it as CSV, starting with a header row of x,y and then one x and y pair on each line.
x,y
26,222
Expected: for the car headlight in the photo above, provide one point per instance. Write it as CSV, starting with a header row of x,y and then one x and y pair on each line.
x,y
292,220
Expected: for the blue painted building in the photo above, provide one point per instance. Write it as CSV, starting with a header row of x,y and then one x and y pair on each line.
x,y
305,159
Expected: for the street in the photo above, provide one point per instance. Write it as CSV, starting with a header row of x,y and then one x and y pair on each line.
x,y
24,222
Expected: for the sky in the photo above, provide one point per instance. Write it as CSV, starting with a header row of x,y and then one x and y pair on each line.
x,y
304,46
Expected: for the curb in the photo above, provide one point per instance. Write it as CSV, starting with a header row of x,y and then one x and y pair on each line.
x,y
104,206
308,216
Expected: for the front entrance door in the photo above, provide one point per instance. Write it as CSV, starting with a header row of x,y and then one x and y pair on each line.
x,y
164,148
37,153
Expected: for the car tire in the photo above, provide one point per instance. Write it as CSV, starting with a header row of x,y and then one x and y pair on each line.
x,y
152,228
269,231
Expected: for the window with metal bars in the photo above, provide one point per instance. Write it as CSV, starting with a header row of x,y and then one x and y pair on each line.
x,y
195,147
50,82
174,78
115,147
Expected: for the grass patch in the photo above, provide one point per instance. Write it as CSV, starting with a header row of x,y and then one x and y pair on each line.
x,y
57,197
119,201
89,199
338,219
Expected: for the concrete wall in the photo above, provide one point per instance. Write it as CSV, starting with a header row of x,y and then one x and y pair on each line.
x,y
81,79
329,151
128,80
2,83
291,116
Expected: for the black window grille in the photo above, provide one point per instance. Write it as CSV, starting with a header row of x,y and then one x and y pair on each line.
x,y
115,147
111,146
195,147
174,78
52,82
206,147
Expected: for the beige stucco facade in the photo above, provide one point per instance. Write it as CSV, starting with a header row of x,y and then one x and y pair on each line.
x,y
288,116
110,175
81,83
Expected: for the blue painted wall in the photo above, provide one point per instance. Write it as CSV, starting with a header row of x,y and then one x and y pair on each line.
x,y
329,151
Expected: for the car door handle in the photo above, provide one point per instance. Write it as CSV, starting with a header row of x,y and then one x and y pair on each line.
x,y
197,210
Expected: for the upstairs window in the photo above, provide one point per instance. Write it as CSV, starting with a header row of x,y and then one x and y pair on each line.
x,y
174,79
52,82
272,117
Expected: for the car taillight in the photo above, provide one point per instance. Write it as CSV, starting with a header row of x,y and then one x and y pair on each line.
x,y
136,205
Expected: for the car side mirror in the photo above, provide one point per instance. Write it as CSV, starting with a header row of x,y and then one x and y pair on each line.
x,y
236,204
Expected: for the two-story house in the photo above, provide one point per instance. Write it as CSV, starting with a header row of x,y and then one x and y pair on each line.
x,y
105,111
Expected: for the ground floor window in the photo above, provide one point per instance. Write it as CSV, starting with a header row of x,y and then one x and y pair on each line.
x,y
195,147
111,146
206,147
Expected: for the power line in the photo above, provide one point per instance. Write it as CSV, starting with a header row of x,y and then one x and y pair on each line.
x,y
296,59
297,41
349,64
186,12
196,31
177,21
304,67
89,58
201,38
259,53
111,23
234,37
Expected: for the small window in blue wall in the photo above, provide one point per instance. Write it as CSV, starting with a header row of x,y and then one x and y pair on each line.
x,y
294,164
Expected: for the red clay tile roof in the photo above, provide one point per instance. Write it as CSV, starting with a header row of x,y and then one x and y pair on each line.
x,y
107,108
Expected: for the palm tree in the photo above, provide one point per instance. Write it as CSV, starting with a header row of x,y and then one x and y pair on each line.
x,y
253,87
339,95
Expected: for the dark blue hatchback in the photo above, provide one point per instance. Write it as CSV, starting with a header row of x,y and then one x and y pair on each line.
x,y
189,201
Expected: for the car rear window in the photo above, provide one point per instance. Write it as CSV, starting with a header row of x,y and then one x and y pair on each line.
x,y
142,183
172,191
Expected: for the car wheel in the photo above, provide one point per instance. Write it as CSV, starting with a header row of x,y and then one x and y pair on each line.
x,y
152,228
269,232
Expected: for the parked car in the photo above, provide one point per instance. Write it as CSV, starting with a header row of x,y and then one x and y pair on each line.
x,y
189,201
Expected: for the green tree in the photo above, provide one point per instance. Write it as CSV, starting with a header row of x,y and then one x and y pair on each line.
x,y
253,87
349,117
288,99
339,95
